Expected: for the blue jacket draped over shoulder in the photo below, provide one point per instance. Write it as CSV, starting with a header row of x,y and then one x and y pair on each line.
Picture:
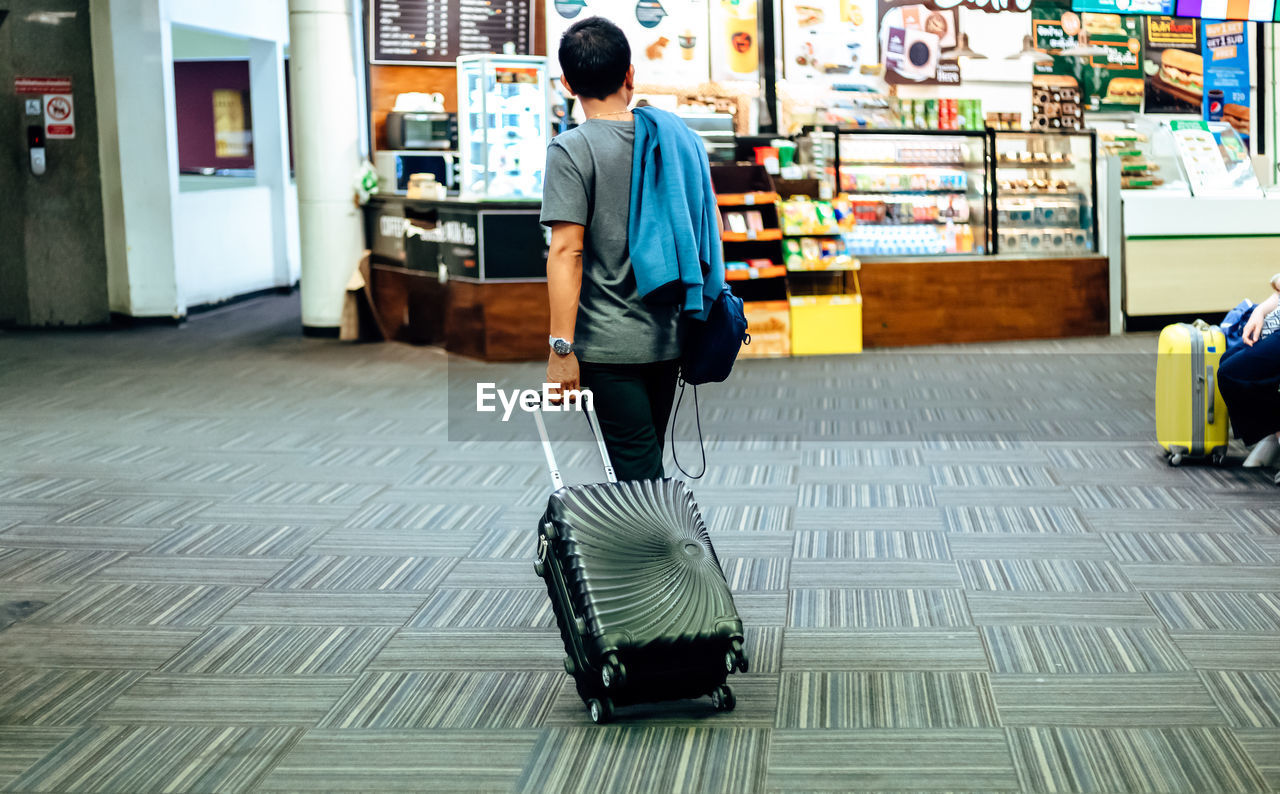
x,y
674,230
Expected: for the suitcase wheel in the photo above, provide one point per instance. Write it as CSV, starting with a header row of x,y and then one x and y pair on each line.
x,y
722,698
569,666
549,531
539,568
735,660
601,711
1175,459
614,672
1219,458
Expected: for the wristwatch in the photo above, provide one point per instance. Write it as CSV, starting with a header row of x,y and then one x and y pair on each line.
x,y
562,347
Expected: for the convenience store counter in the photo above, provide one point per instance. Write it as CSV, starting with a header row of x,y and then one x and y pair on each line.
x,y
1185,255
982,298
467,275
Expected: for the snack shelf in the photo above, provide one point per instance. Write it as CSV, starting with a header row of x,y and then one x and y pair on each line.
x,y
746,199
818,267
753,273
764,235
897,164
827,233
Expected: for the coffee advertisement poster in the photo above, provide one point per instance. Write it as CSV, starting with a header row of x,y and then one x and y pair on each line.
x,y
914,42
670,39
1172,65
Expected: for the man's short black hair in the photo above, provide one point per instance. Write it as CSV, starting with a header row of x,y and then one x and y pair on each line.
x,y
594,57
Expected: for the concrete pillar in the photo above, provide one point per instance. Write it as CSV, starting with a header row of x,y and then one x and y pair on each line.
x,y
326,155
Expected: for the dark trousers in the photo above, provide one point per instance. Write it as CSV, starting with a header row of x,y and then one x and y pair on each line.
x,y
633,403
1249,378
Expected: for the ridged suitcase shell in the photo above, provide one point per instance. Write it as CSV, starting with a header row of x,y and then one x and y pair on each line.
x,y
631,572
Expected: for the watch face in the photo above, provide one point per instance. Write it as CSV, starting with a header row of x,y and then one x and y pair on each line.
x,y
562,347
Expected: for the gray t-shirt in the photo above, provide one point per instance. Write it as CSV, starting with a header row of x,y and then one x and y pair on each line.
x,y
588,181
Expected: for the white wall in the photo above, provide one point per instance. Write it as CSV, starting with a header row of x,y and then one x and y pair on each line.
x,y
223,248
154,267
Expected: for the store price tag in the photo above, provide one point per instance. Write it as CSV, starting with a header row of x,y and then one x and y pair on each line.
x,y
749,199
753,272
751,234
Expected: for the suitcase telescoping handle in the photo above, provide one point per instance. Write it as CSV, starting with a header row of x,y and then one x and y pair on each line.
x,y
1209,390
585,404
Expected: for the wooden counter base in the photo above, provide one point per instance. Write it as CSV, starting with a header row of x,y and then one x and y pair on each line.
x,y
929,301
497,321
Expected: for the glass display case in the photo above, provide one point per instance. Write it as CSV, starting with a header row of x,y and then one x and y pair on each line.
x,y
1046,191
915,192
503,125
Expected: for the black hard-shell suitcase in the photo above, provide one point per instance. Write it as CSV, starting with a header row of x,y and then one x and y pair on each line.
x,y
643,606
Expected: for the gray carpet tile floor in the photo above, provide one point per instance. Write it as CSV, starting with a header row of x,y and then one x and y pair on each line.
x,y
233,559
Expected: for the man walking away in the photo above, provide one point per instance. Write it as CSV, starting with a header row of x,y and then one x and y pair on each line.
x,y
606,334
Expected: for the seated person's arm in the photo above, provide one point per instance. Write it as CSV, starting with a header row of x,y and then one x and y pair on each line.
x,y
1253,328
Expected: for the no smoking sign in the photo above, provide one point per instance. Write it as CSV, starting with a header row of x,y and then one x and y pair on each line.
x,y
59,116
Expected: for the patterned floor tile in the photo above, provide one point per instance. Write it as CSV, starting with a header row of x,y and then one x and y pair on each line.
x,y
92,647
1111,701
142,605
1163,520
755,574
832,608
1250,699
1132,760
21,747
1085,650
389,760
762,609
303,607
954,650
446,699
1263,747
752,544
119,758
485,608
842,700
129,512
236,540
1007,520
476,574
864,495
1219,651
1043,575
890,760
1177,547
1218,611
53,567
871,544
1257,521
472,650
361,574
59,698
183,569
1095,609
1190,576
619,759
1029,546
837,518
76,536
174,699
424,517
281,650
874,574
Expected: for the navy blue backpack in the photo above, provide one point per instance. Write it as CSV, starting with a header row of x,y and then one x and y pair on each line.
x,y
1233,324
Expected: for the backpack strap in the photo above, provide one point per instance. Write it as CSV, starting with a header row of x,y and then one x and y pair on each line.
x,y
698,418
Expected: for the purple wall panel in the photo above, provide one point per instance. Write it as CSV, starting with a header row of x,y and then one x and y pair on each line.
x,y
194,83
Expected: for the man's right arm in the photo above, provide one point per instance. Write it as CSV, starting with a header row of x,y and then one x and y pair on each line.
x,y
1253,328
564,287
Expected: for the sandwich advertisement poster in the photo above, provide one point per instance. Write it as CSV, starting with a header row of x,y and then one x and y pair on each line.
x,y
1108,80
828,41
913,39
1226,75
1172,65
1113,78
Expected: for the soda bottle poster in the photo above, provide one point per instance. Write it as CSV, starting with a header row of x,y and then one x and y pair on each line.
x,y
1226,74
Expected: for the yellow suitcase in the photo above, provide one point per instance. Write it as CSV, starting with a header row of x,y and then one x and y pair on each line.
x,y
1191,418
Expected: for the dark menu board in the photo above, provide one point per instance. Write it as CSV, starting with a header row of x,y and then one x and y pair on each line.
x,y
438,31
